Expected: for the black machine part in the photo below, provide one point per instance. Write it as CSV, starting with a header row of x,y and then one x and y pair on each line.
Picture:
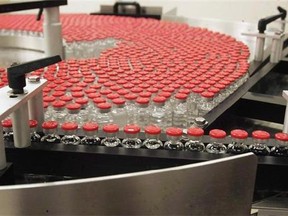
x,y
16,74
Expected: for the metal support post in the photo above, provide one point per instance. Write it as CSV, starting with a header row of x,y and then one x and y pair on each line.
x,y
52,30
2,150
21,130
285,128
36,110
259,50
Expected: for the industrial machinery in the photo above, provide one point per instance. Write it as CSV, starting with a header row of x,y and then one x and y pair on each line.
x,y
248,107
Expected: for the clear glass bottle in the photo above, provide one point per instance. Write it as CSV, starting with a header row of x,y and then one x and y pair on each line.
x,y
281,145
238,142
70,137
206,103
111,135
159,115
7,129
142,112
200,122
84,112
90,130
119,113
35,137
260,140
132,132
179,115
216,145
194,142
152,134
192,108
173,138
50,131
104,115
59,112
73,110
131,107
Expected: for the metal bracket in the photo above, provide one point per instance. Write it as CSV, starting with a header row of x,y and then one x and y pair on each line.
x,y
20,107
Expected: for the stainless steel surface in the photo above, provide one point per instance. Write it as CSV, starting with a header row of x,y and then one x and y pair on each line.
x,y
52,30
285,96
11,104
265,98
183,190
31,43
276,206
259,49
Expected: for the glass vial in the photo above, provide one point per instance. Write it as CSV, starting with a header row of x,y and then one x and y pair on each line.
x,y
216,145
90,130
152,134
35,137
195,143
173,138
132,132
281,145
238,142
70,137
111,135
50,131
260,140
7,129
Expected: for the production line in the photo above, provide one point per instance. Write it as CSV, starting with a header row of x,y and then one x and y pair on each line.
x,y
112,57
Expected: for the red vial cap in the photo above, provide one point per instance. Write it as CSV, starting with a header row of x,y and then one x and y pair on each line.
x,y
111,128
58,104
217,133
49,125
69,126
90,126
49,99
239,134
130,96
142,100
104,106
173,131
112,96
136,90
131,129
105,91
159,99
181,96
118,101
122,91
90,90
197,132
197,90
33,123
260,134
94,95
73,106
66,98
184,91
281,136
76,89
165,94
207,94
145,94
77,94
81,101
99,100
153,130
7,123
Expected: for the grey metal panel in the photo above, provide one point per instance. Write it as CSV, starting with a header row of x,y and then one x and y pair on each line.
x,y
22,42
219,187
